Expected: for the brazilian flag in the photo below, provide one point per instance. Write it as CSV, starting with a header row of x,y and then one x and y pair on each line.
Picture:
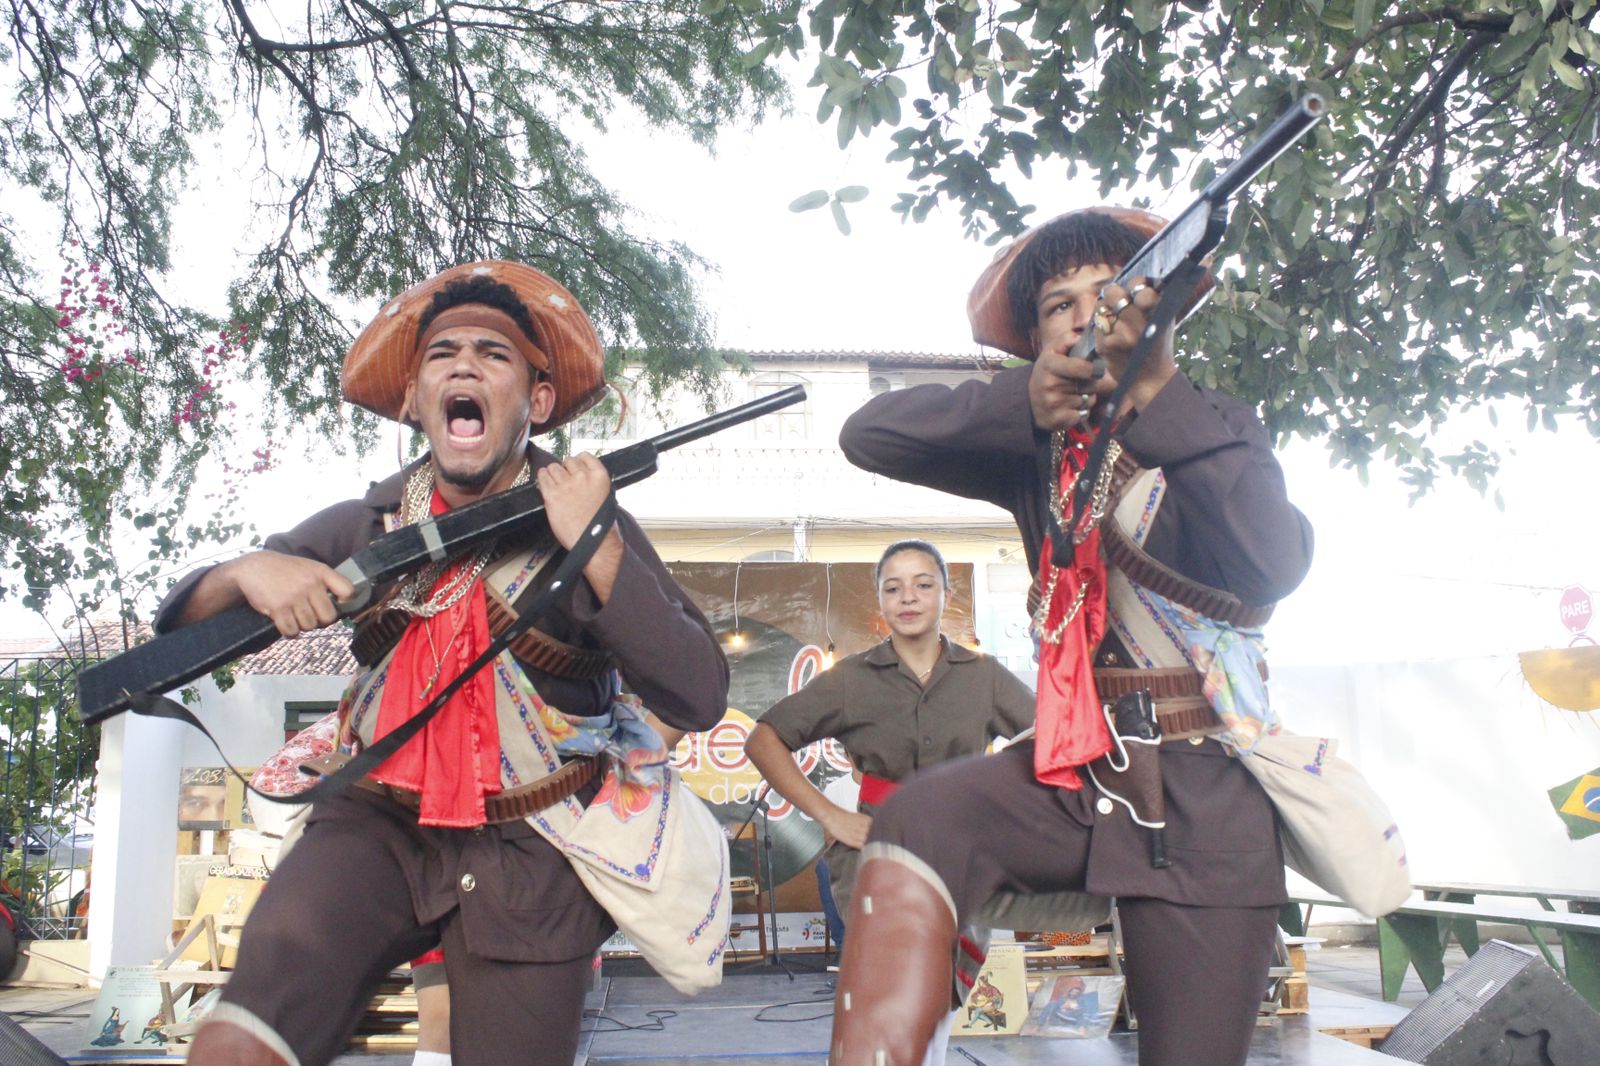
x,y
1577,803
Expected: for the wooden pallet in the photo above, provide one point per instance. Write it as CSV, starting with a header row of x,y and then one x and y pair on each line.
x,y
1367,1036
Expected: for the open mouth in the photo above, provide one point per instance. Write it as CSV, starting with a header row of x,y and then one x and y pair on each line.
x,y
463,417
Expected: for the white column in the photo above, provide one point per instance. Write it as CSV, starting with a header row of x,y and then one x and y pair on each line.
x,y
802,540
135,838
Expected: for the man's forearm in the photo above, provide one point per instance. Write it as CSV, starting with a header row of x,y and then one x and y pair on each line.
x,y
602,568
215,592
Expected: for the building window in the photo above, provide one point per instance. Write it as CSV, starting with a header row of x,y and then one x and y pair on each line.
x,y
792,424
878,385
615,417
299,714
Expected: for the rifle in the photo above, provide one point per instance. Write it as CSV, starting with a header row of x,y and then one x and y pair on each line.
x,y
172,659
1174,260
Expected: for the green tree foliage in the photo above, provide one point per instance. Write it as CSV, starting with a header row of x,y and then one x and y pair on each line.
x,y
381,141
1432,247
47,791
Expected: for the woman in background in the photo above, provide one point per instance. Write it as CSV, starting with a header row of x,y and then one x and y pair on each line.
x,y
911,702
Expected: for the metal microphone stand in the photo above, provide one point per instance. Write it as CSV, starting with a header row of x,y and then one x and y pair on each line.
x,y
760,803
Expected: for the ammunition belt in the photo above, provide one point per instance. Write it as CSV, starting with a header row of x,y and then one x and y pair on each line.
x,y
380,630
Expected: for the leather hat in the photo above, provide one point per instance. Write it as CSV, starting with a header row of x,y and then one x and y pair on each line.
x,y
383,358
989,310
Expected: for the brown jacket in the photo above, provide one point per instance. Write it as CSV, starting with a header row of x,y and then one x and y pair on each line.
x,y
1225,521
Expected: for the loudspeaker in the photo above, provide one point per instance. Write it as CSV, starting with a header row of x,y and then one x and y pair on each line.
x,y
1504,1007
18,1047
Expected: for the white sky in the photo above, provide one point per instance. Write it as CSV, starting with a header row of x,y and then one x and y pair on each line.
x,y
1449,575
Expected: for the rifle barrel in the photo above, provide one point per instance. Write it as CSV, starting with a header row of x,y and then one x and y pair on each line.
x,y
1289,127
715,423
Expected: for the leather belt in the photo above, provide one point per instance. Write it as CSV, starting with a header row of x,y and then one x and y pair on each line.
x,y
1183,719
508,806
1179,694
1165,683
1149,572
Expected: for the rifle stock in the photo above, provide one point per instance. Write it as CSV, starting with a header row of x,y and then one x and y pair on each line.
x,y
176,658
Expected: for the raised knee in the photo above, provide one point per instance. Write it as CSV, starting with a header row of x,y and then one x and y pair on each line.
x,y
233,1036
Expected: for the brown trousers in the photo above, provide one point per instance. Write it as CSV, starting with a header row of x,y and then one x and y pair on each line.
x,y
1196,965
357,897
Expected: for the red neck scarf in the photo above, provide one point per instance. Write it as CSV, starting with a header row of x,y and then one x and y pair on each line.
x,y
1071,729
455,763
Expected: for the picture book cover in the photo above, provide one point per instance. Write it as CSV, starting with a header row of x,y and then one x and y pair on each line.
x,y
127,1011
998,1002
229,899
1074,1007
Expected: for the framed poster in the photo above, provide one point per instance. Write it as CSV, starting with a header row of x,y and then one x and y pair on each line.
x,y
1074,1007
202,797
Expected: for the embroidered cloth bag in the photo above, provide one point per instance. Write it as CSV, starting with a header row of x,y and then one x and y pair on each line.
x,y
1336,831
661,875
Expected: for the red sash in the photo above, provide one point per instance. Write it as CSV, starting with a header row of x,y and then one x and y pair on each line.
x,y
456,761
1071,728
875,789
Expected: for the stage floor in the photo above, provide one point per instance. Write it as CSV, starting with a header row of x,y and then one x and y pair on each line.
x,y
767,1020
761,1017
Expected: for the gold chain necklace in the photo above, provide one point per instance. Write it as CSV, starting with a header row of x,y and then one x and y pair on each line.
x,y
415,596
1061,511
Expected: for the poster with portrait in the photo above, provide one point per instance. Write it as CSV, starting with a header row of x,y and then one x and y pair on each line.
x,y
236,808
998,1002
1074,1007
202,797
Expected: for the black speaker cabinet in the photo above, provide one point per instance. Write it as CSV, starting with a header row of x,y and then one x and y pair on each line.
x,y
1504,1007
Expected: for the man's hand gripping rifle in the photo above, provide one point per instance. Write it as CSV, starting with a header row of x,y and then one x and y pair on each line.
x,y
177,658
1174,261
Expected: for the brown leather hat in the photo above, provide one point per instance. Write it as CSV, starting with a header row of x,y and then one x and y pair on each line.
x,y
989,309
384,358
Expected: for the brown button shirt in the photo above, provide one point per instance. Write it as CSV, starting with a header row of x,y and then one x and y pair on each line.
x,y
892,727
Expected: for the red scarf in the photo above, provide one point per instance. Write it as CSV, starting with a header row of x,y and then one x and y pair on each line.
x,y
1071,729
456,760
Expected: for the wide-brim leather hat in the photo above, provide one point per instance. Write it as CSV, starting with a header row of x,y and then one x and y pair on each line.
x,y
989,309
383,359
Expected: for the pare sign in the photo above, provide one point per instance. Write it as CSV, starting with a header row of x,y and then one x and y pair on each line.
x,y
1577,608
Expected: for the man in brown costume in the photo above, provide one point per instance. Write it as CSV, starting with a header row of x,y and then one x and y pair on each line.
x,y
1205,519
443,843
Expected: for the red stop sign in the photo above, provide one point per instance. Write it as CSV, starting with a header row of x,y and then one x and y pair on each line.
x,y
1577,608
